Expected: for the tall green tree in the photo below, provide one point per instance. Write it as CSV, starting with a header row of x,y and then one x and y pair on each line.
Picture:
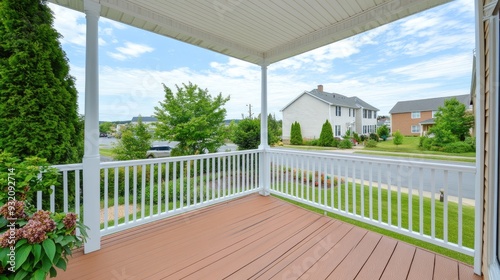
x,y
134,143
296,134
38,98
193,118
452,121
326,136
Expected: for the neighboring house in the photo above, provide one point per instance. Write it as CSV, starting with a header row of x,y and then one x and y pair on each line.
x,y
312,108
415,117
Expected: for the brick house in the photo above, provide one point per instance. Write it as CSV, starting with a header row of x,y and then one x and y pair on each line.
x,y
415,117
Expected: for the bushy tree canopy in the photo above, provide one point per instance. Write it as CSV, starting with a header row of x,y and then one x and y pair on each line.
x,y
134,143
247,134
38,98
383,132
193,118
452,122
398,138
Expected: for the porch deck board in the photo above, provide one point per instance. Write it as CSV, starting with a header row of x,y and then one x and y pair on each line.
x,y
256,237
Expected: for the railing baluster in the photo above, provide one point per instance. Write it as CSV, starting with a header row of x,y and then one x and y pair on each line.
x,y
370,190
433,204
143,191
65,191
188,188
410,199
460,213
389,195
181,185
379,189
134,193
126,202
421,200
353,189
167,187
195,182
106,194
115,197
174,188
362,189
399,195
151,189
159,188
445,208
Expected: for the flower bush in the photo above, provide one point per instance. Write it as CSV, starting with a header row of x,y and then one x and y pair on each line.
x,y
32,242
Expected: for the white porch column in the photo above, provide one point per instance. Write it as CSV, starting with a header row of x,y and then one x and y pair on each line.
x,y
264,165
91,158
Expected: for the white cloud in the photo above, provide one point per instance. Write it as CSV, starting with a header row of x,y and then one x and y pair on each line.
x,y
442,67
130,50
71,25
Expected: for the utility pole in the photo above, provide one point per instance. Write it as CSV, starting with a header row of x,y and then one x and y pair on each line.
x,y
249,111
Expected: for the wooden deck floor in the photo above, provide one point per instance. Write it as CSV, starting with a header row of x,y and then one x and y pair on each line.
x,y
258,237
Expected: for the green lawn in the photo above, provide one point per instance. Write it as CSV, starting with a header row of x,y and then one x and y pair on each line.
x,y
467,214
107,152
410,145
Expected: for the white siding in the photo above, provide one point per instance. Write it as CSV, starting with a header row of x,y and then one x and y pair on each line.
x,y
310,112
343,120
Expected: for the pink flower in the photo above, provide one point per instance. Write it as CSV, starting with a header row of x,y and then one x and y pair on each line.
x,y
10,237
70,220
34,232
13,210
46,222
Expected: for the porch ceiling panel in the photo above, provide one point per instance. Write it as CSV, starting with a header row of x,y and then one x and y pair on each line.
x,y
260,29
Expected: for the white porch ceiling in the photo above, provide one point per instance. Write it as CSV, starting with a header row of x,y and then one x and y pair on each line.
x,y
257,30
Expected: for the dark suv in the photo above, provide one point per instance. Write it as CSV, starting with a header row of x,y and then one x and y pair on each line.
x,y
158,151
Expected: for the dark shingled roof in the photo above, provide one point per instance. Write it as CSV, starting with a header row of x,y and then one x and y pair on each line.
x,y
431,104
145,119
341,100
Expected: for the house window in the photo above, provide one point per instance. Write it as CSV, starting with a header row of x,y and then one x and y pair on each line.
x,y
434,113
415,115
365,113
349,112
415,129
338,131
338,111
374,114
369,114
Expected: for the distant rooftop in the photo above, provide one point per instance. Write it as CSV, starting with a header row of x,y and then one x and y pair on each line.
x,y
336,99
430,104
145,119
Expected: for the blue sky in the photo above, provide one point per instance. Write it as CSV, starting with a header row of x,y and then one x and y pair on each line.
x,y
423,56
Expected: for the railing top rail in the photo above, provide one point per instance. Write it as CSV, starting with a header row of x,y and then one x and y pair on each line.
x,y
112,164
69,167
409,163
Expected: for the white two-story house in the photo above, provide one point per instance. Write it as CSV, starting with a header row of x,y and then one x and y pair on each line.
x,y
312,108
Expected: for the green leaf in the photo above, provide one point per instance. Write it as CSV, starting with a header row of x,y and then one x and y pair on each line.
x,y
53,272
61,264
20,275
21,243
4,258
46,263
39,274
3,222
37,252
50,248
22,254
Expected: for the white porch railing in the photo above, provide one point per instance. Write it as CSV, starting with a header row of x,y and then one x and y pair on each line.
x,y
398,195
140,191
